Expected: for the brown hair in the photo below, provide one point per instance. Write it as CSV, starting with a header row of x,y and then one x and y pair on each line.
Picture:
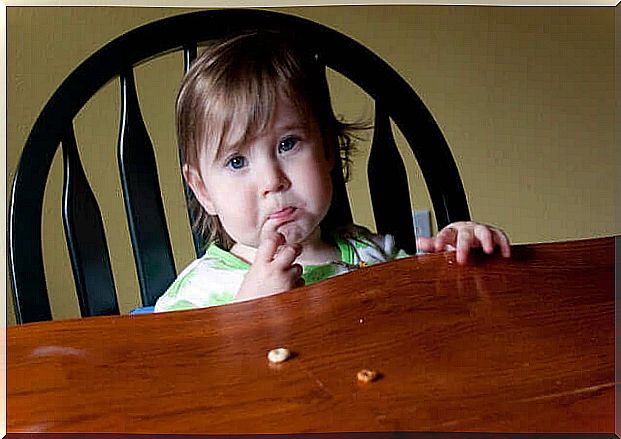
x,y
248,72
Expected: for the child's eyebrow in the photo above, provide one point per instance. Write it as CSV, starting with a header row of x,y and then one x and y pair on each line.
x,y
296,129
294,126
226,149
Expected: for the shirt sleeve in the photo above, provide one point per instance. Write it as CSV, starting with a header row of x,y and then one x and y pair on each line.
x,y
371,248
389,247
203,283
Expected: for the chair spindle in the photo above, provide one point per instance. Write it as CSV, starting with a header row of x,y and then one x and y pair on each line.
x,y
86,238
388,184
143,202
189,55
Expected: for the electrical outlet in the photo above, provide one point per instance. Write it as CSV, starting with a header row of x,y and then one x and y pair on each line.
x,y
422,223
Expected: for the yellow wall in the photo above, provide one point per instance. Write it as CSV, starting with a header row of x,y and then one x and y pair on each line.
x,y
524,96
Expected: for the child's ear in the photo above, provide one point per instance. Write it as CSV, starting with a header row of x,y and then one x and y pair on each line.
x,y
196,183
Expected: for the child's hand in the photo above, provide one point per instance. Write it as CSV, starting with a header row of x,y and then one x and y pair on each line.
x,y
273,270
464,235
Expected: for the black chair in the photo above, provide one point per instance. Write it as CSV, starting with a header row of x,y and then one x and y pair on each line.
x,y
86,240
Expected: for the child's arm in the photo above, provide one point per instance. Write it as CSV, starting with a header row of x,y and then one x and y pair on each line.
x,y
464,235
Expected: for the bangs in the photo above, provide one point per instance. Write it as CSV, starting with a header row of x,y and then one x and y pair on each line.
x,y
239,111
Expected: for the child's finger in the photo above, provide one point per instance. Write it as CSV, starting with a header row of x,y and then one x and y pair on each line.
x,y
296,274
485,237
287,254
424,244
268,247
464,244
268,229
446,236
501,239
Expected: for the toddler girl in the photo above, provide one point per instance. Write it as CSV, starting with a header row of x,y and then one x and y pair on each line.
x,y
259,140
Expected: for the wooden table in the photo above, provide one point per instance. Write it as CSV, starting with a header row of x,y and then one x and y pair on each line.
x,y
525,344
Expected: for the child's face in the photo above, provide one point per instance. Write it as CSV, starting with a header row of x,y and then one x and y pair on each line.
x,y
277,181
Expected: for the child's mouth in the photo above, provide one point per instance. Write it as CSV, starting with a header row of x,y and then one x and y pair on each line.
x,y
283,214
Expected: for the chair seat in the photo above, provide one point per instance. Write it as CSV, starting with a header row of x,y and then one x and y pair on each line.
x,y
142,310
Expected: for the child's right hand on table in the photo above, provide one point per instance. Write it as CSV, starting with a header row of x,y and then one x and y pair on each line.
x,y
273,270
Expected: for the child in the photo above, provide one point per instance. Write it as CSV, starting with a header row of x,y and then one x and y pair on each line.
x,y
259,139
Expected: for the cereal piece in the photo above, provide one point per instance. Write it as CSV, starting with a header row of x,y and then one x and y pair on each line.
x,y
366,376
278,355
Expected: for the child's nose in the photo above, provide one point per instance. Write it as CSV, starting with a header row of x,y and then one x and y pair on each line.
x,y
273,179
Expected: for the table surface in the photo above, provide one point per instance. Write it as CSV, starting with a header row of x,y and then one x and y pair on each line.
x,y
522,344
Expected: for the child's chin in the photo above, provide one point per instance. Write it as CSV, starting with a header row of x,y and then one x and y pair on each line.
x,y
293,233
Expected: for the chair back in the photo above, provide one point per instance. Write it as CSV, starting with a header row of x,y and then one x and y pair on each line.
x,y
86,240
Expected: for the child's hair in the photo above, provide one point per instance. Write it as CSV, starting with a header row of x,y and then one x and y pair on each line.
x,y
229,95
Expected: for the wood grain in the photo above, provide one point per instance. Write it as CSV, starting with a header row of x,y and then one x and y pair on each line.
x,y
524,344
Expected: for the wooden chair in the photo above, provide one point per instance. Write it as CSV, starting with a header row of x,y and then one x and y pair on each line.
x,y
394,99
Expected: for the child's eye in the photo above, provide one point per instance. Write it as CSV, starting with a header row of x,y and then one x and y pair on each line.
x,y
287,144
236,162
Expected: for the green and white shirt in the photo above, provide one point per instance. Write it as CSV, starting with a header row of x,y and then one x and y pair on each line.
x,y
215,278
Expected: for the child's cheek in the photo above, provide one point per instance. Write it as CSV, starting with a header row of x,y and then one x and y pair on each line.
x,y
241,215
